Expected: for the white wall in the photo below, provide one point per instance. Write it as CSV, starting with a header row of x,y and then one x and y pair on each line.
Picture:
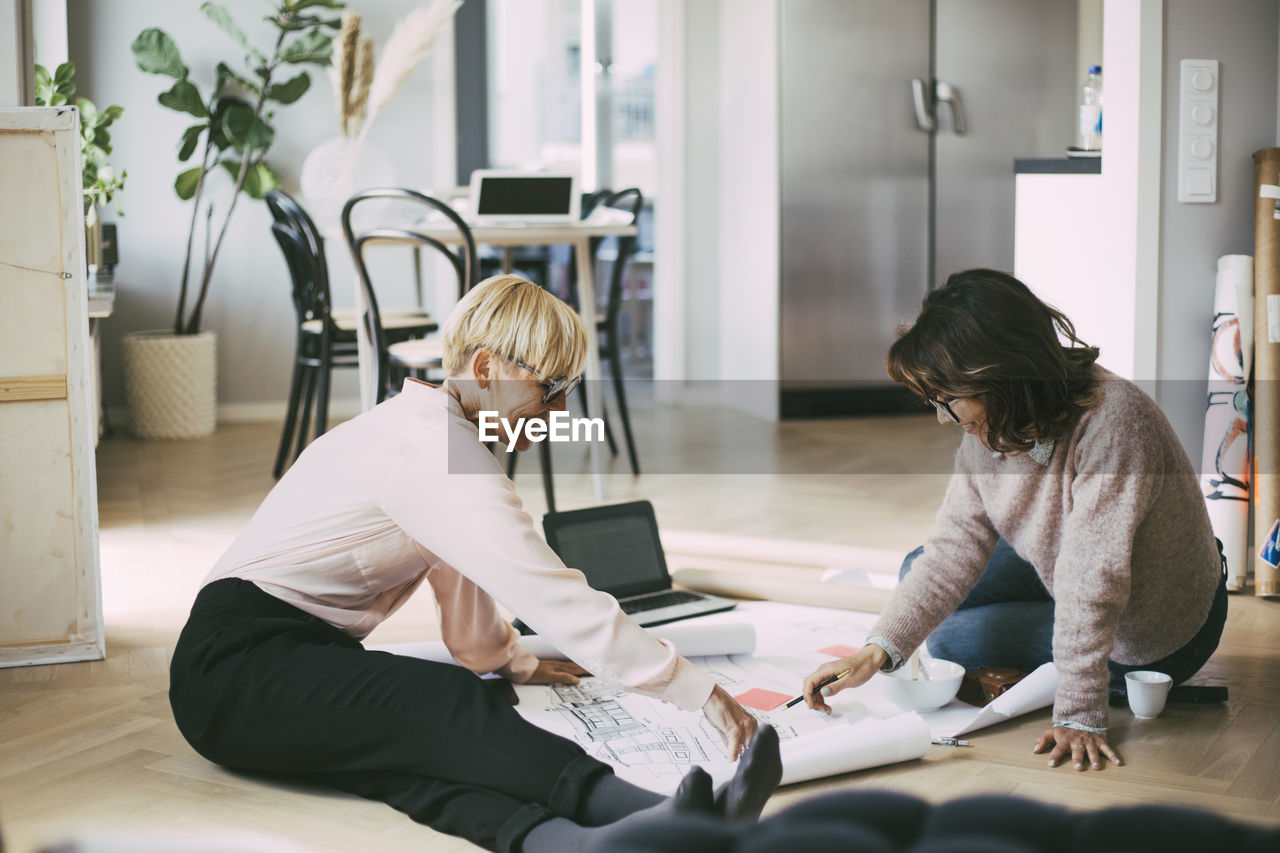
x,y
750,206
12,51
702,189
249,305
1242,35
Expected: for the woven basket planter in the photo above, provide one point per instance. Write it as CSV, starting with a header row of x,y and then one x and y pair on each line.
x,y
171,384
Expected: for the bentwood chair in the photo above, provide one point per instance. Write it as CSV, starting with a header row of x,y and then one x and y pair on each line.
x,y
395,359
326,338
629,201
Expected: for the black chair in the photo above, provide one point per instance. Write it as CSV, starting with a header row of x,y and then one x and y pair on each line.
x,y
325,338
414,356
631,201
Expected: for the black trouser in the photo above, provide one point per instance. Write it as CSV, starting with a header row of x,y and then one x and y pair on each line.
x,y
256,684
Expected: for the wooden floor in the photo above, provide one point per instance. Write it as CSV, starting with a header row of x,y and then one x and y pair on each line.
x,y
91,747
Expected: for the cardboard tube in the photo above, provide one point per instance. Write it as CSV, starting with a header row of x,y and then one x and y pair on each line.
x,y
1266,366
815,593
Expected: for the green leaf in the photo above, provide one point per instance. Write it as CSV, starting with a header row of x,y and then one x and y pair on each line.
x,y
66,90
226,72
190,138
290,90
43,86
244,129
57,100
102,139
64,73
220,16
290,22
314,47
155,53
111,113
259,179
185,185
185,98
299,5
220,108
88,112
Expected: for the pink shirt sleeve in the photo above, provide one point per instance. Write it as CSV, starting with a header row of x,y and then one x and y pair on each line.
x,y
453,498
474,631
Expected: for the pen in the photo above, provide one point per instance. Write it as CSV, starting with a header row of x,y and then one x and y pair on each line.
x,y
950,741
821,684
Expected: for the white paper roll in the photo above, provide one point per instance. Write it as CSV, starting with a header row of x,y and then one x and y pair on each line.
x,y
1225,466
870,743
691,639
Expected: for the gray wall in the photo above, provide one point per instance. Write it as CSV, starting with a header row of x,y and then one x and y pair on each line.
x,y
1242,35
249,305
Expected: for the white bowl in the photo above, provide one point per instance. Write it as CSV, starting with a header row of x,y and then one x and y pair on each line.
x,y
923,695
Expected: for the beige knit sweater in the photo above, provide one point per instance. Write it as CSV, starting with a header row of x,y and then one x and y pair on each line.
x,y
1114,524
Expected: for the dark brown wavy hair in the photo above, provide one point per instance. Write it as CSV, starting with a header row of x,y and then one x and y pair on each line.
x,y
985,335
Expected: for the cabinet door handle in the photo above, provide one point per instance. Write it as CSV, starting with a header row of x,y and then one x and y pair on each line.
x,y
924,107
945,93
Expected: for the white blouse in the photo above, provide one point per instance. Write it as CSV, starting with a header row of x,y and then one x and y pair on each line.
x,y
406,491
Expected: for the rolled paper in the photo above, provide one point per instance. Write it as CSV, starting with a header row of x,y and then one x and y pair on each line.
x,y
691,639
1266,366
1225,468
758,586
869,743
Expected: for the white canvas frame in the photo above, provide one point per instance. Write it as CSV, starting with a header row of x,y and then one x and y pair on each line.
x,y
50,589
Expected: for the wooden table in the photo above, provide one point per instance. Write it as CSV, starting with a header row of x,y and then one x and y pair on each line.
x,y
508,236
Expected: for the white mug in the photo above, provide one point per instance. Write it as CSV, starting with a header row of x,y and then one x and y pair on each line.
x,y
1147,692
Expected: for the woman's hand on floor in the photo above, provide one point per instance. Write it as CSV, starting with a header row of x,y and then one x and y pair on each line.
x,y
735,724
556,672
1086,749
862,664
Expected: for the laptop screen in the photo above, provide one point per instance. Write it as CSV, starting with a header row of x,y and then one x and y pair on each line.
x,y
616,547
518,196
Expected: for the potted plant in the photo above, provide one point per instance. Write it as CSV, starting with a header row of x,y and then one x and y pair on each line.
x,y
101,183
170,376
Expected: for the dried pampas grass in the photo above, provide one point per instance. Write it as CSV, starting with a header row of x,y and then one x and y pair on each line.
x,y
359,95
342,73
409,44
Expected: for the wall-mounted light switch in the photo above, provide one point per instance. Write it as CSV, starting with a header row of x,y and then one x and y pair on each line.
x,y
1198,131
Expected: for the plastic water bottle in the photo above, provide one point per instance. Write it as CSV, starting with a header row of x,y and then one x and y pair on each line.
x,y
1091,110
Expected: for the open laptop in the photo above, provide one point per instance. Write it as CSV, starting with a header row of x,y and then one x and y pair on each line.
x,y
504,196
618,549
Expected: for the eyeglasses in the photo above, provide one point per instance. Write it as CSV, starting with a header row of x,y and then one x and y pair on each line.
x,y
554,388
945,408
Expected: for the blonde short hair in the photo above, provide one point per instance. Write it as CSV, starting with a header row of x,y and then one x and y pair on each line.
x,y
516,319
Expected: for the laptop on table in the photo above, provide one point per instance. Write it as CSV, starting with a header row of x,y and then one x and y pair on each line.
x,y
508,197
618,549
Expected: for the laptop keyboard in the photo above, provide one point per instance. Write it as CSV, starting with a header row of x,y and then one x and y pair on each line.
x,y
653,602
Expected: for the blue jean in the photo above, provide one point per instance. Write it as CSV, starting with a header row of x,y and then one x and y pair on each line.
x,y
1007,620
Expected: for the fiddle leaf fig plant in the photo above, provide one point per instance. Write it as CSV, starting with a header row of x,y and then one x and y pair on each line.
x,y
233,128
100,181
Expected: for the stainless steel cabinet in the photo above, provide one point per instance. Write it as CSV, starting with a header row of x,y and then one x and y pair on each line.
x,y
900,121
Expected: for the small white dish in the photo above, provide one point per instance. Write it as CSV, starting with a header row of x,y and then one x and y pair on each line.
x,y
924,695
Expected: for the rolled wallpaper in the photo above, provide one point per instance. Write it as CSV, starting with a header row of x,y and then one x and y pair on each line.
x,y
1225,470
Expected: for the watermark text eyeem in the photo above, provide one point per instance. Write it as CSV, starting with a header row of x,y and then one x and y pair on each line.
x,y
558,426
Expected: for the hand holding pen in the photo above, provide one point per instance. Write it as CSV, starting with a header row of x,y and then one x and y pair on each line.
x,y
830,678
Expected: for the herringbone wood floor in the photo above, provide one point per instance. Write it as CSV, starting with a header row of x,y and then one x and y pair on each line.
x,y
91,746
